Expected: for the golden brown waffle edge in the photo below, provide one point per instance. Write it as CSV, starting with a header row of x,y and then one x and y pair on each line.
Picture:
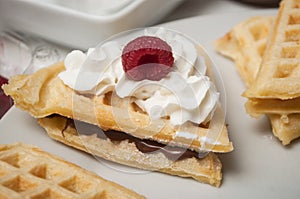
x,y
43,94
207,170
279,72
29,172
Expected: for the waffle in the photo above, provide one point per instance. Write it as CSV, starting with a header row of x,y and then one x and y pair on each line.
x,y
285,127
256,107
280,69
245,44
43,94
207,169
28,172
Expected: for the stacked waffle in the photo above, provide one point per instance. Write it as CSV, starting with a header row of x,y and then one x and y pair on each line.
x,y
45,96
267,58
29,172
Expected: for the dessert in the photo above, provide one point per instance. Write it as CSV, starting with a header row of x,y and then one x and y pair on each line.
x,y
246,44
172,107
28,172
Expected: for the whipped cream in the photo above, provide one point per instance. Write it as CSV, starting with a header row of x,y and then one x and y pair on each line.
x,y
94,72
185,94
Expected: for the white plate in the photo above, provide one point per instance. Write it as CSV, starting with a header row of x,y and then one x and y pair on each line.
x,y
74,23
259,167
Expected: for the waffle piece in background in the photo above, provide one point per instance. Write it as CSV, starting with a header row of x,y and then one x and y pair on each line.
x,y
28,172
279,73
276,89
245,44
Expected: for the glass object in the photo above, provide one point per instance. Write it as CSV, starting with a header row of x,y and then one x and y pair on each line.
x,y
20,53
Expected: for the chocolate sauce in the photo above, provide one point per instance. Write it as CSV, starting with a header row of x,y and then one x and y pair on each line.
x,y
145,146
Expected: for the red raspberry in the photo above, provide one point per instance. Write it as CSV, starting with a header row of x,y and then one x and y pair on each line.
x,y
147,57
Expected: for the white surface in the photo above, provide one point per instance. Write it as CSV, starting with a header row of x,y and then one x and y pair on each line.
x,y
259,167
75,28
94,7
191,8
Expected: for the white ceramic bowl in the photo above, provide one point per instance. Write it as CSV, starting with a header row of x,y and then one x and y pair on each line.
x,y
74,27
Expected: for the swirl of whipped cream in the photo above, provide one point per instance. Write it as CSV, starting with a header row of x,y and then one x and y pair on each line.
x,y
94,72
182,99
185,94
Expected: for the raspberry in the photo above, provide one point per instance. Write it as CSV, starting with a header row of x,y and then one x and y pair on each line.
x,y
147,57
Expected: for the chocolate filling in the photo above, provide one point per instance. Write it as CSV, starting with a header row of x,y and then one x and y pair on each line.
x,y
145,146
